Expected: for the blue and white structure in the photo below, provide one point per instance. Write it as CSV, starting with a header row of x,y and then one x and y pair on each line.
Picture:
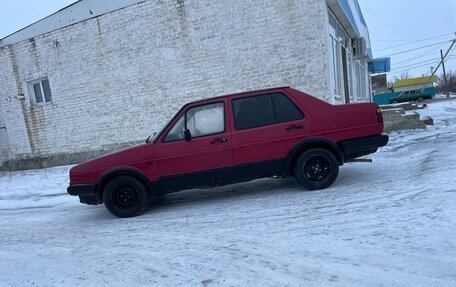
x,y
351,59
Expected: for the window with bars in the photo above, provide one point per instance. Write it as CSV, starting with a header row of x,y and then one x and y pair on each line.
x,y
40,92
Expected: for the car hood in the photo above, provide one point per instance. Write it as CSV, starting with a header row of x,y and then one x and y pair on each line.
x,y
122,157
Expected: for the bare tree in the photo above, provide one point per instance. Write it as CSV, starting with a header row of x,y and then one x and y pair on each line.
x,y
449,86
402,76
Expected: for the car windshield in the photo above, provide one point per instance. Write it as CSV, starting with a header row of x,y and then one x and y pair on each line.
x,y
157,134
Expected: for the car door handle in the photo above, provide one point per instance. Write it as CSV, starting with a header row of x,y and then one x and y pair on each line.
x,y
219,140
294,127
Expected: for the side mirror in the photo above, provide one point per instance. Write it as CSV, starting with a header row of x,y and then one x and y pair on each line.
x,y
187,135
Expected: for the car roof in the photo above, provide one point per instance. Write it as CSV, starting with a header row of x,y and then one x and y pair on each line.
x,y
239,94
209,99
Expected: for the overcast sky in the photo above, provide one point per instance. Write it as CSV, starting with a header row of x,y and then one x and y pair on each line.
x,y
395,26
405,23
16,14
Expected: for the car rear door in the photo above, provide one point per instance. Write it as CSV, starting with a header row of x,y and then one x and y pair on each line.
x,y
408,96
206,158
413,96
264,129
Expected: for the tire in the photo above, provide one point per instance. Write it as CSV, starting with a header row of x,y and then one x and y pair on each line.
x,y
420,99
394,102
125,196
316,169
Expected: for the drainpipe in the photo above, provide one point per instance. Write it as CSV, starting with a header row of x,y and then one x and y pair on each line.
x,y
21,96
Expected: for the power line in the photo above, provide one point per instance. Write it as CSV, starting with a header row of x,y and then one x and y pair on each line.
x,y
449,57
411,66
425,53
429,61
387,22
372,36
410,43
419,48
403,40
408,69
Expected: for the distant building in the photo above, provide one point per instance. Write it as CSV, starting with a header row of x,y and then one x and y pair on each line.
x,y
380,84
423,83
415,84
99,74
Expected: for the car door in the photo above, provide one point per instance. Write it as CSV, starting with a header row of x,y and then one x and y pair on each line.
x,y
412,96
265,127
206,158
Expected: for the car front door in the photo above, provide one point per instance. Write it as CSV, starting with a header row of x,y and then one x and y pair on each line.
x,y
203,158
402,97
265,127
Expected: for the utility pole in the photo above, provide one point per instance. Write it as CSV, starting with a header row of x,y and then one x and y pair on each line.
x,y
447,90
440,63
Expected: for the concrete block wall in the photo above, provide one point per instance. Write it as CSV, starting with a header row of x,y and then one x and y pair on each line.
x,y
121,76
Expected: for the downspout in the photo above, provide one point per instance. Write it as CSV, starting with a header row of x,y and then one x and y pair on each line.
x,y
20,96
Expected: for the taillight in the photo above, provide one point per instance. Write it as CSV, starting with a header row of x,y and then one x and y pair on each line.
x,y
379,115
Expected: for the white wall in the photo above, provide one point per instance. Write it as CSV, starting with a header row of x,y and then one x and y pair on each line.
x,y
120,77
5,150
413,87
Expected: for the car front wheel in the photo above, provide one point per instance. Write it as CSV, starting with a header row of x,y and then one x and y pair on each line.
x,y
420,99
125,196
316,169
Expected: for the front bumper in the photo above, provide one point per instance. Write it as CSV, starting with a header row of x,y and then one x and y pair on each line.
x,y
87,193
360,147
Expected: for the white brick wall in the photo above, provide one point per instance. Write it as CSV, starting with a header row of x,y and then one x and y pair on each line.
x,y
121,76
5,150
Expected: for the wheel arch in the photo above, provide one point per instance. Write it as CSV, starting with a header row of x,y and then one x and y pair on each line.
x,y
109,175
318,142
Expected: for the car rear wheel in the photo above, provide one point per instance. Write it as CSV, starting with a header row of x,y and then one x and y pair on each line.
x,y
420,99
125,196
316,169
394,102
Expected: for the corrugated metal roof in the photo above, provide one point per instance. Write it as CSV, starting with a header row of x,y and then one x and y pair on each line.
x,y
72,14
415,81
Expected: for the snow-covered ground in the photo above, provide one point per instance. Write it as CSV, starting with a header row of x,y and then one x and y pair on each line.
x,y
389,223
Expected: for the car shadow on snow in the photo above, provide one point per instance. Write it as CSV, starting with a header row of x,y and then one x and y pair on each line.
x,y
254,189
267,189
261,188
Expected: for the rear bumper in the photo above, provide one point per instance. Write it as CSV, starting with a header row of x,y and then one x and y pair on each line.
x,y
363,146
87,193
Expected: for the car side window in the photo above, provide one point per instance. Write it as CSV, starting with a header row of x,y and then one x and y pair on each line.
x,y
285,110
264,110
200,121
253,112
177,132
206,120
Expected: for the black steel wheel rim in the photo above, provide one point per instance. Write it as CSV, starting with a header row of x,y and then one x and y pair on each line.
x,y
125,197
317,169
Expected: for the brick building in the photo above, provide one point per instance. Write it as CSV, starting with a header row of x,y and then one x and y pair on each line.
x,y
98,74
